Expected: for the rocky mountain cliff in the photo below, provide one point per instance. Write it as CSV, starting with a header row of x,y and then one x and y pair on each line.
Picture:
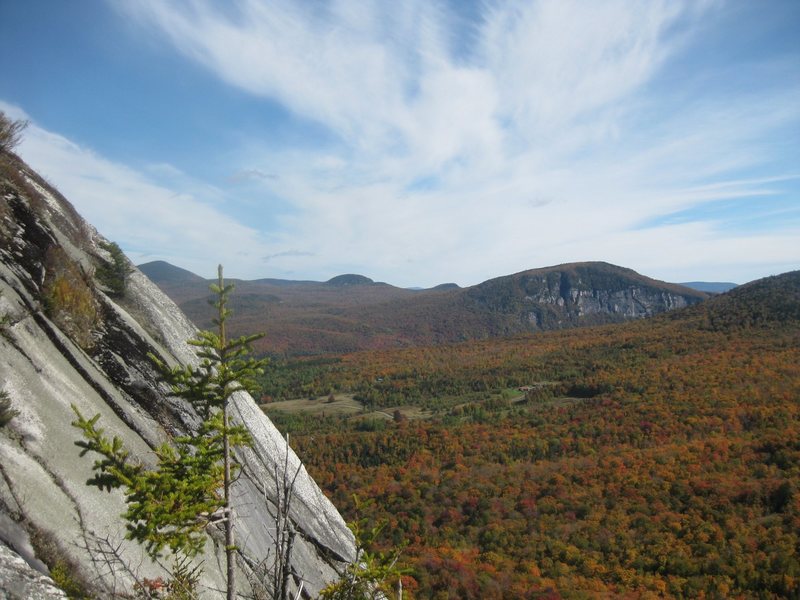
x,y
71,335
576,294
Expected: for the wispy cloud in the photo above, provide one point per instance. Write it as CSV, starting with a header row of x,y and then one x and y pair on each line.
x,y
132,208
250,174
533,133
390,79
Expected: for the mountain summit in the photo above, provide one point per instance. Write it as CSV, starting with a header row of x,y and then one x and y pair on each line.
x,y
350,279
160,271
576,294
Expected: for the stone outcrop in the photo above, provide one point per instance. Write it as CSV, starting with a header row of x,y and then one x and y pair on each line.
x,y
576,294
67,340
20,581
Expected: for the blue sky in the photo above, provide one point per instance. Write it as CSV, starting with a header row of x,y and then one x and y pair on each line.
x,y
419,142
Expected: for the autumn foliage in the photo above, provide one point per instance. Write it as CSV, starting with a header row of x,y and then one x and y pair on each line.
x,y
651,459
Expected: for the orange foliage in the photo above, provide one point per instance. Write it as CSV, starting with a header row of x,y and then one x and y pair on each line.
x,y
664,462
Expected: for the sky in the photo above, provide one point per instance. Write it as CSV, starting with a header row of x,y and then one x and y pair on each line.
x,y
419,142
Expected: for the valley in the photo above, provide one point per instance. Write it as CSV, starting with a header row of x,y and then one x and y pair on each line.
x,y
651,458
663,460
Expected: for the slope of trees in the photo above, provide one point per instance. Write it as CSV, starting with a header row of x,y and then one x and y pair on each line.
x,y
657,458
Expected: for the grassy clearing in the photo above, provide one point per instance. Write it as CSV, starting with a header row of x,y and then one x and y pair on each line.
x,y
342,404
345,408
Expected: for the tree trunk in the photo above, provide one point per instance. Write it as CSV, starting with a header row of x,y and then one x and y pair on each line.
x,y
230,546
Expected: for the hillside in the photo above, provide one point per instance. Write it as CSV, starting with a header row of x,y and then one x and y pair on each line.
x,y
350,279
77,329
654,458
351,312
769,302
160,271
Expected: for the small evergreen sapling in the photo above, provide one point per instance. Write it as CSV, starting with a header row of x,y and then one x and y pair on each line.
x,y
171,504
166,504
226,368
114,275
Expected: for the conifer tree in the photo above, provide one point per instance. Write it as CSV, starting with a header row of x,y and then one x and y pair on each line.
x,y
166,504
114,275
226,368
171,504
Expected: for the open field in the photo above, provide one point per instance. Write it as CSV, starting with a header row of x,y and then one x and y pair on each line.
x,y
342,405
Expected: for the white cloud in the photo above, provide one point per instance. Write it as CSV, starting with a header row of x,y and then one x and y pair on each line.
x,y
143,216
558,61
537,136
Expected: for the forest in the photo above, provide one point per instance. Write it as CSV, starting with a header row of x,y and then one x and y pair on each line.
x,y
654,458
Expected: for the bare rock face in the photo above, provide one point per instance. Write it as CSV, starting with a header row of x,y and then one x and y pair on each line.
x,y
21,582
576,294
66,339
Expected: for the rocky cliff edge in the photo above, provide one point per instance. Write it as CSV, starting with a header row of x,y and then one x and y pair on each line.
x,y
67,338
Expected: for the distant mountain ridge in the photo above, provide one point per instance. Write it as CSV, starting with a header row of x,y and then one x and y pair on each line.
x,y
161,271
575,294
352,312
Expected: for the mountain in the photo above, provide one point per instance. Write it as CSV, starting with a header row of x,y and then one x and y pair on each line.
x,y
159,271
350,279
351,312
578,294
67,338
712,287
769,302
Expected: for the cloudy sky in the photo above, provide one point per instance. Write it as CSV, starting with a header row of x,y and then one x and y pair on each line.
x,y
419,142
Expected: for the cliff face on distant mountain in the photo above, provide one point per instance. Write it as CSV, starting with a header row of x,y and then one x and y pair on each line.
x,y
353,313
576,294
68,338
